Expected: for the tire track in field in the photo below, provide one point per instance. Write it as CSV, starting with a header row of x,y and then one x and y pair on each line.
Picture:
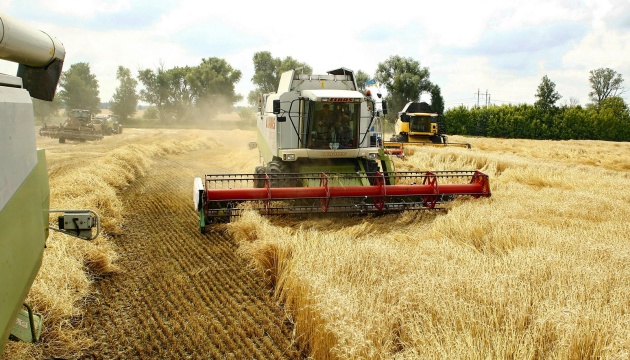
x,y
181,294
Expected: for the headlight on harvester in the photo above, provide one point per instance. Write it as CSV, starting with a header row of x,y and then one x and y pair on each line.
x,y
288,157
372,156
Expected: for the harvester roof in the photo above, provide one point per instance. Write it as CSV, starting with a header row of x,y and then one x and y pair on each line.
x,y
333,95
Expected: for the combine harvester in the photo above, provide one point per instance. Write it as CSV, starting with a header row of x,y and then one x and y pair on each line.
x,y
319,156
78,127
24,192
418,125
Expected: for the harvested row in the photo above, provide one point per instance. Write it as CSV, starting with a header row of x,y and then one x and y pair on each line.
x,y
181,294
170,292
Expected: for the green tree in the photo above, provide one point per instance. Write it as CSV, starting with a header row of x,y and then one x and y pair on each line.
x,y
212,86
267,71
182,94
124,103
404,79
361,78
156,89
605,83
437,101
247,116
79,88
613,120
547,95
44,110
150,113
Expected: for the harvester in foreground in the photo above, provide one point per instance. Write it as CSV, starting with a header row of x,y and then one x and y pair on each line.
x,y
24,189
419,125
320,156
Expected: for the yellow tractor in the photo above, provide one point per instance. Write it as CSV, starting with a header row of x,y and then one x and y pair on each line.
x,y
418,124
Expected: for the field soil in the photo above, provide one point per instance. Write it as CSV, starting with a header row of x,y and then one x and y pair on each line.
x,y
178,294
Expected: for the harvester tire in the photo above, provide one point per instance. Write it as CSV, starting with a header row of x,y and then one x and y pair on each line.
x,y
371,168
259,180
276,170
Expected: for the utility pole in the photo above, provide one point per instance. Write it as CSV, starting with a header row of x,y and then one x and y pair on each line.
x,y
486,94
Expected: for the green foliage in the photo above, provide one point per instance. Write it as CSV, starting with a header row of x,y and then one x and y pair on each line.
x,y
267,71
189,94
124,103
45,110
404,79
212,85
150,113
248,116
605,83
361,77
547,95
524,121
79,88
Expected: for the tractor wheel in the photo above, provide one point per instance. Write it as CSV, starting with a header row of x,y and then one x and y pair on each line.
x,y
259,179
276,170
371,168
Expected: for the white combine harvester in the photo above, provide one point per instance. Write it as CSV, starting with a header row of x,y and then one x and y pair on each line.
x,y
320,154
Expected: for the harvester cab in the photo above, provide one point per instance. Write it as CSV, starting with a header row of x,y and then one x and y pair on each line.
x,y
318,141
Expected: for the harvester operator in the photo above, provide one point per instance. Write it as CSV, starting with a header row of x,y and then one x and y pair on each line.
x,y
332,127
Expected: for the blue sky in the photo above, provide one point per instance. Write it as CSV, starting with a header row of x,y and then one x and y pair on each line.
x,y
502,47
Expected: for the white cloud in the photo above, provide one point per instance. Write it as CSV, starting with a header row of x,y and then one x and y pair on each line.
x,y
503,46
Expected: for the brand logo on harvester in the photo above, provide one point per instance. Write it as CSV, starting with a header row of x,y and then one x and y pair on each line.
x,y
340,99
334,153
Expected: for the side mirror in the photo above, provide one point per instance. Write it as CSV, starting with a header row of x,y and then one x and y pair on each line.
x,y
404,117
276,107
281,118
384,107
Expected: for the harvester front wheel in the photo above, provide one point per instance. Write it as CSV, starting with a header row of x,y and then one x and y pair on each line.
x,y
276,170
371,168
259,180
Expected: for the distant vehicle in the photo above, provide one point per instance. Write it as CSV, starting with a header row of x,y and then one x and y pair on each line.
x,y
417,124
108,124
78,127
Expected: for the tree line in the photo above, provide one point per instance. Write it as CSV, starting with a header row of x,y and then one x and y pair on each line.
x,y
189,94
607,117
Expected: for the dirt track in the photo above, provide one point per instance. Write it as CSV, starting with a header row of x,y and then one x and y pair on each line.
x,y
181,294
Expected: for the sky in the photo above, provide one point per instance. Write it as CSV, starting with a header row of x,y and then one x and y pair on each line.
x,y
476,51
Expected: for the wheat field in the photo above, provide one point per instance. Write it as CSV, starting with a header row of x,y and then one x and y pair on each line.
x,y
540,270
